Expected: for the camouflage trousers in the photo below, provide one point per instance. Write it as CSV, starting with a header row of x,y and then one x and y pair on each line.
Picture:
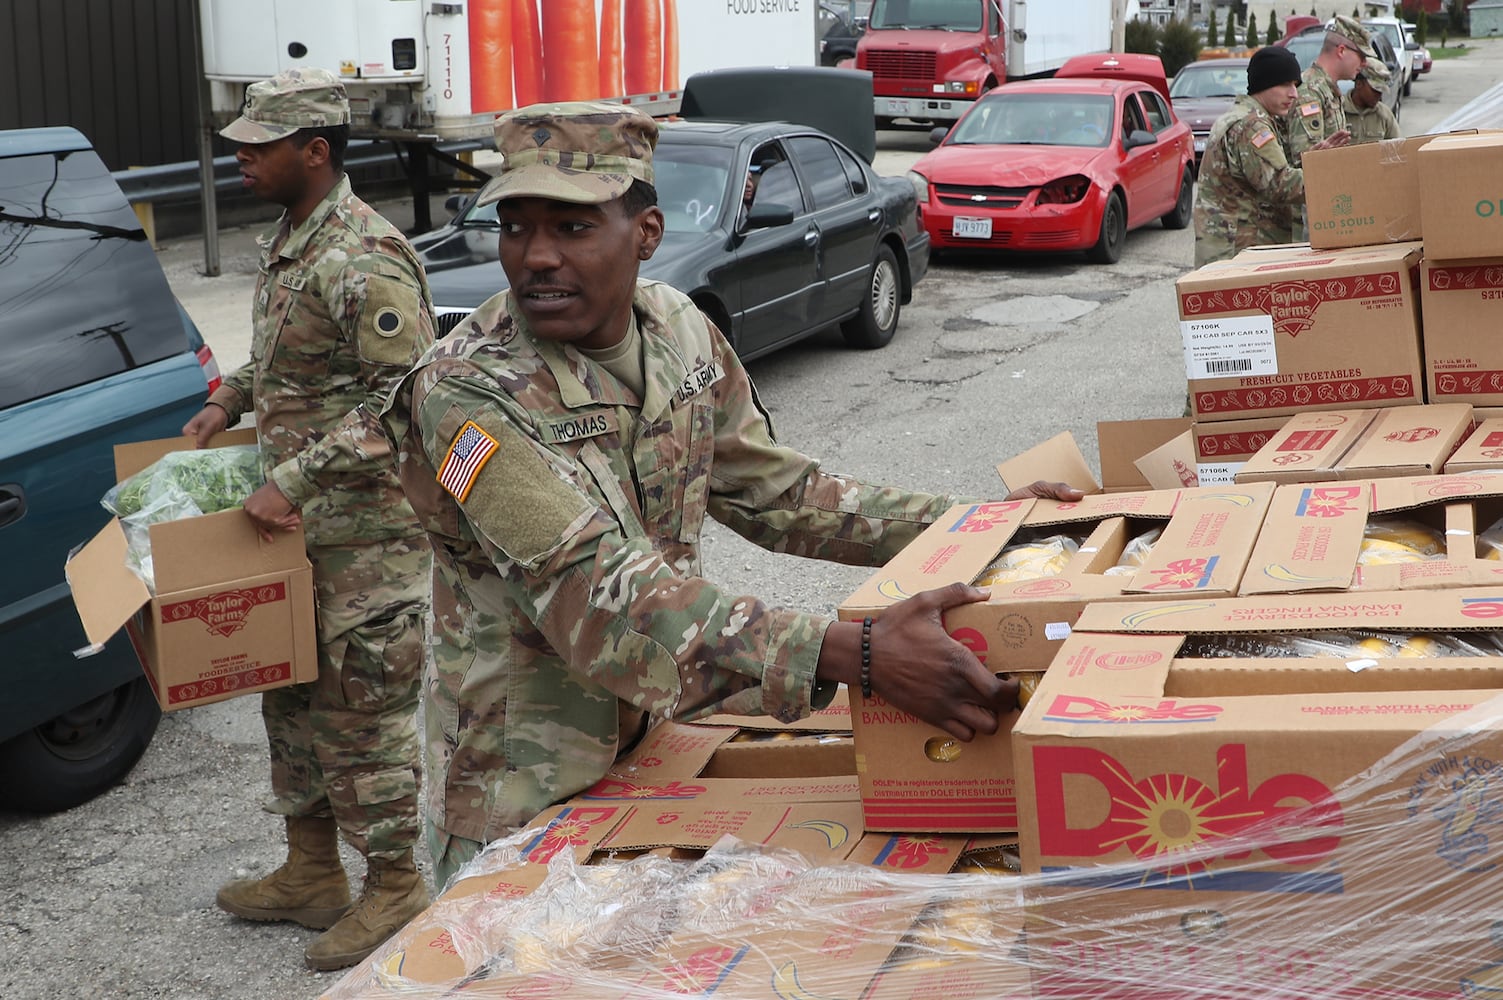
x,y
450,853
346,744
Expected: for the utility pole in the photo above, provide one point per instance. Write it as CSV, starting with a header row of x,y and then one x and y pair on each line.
x,y
1119,25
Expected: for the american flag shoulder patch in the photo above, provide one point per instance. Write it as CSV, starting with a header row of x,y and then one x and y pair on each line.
x,y
1262,139
471,449
1313,108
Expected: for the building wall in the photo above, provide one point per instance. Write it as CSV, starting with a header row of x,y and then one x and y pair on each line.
x,y
120,71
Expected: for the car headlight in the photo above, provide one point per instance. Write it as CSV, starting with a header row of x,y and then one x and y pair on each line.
x,y
1065,191
920,186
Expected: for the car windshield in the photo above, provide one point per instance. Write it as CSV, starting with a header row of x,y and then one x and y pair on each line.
x,y
692,180
1037,119
949,15
1306,47
1209,80
1391,30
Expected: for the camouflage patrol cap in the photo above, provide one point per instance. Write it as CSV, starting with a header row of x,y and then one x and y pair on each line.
x,y
1375,72
586,152
293,99
1351,30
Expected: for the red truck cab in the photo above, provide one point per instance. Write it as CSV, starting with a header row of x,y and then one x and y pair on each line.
x,y
931,59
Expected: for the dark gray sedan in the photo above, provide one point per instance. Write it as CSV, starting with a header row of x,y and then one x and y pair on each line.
x,y
824,240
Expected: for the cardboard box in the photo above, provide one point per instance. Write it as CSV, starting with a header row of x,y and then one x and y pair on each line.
x,y
1460,207
1314,535
238,623
1329,328
1326,445
1363,194
1241,828
916,778
1481,451
1459,299
1222,447
1308,448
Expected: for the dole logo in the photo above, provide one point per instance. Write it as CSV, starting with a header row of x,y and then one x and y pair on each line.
x,y
1176,821
985,516
1328,501
702,973
1482,607
1079,708
1185,574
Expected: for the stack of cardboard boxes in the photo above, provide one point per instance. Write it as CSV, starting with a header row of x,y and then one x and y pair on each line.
x,y
1383,308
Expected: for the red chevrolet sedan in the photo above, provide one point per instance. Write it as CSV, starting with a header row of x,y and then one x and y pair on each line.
x,y
1060,164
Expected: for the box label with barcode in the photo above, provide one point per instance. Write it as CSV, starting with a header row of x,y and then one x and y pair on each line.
x,y
1230,347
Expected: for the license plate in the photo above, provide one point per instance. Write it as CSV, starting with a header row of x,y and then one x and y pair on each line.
x,y
900,106
972,228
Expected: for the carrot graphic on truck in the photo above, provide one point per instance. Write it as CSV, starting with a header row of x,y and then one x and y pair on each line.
x,y
525,51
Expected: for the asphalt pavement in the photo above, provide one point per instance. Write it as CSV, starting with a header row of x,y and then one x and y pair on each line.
x,y
115,899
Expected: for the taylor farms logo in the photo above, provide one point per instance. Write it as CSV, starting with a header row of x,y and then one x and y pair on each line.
x,y
1329,501
1463,796
1291,304
1181,827
224,613
1412,435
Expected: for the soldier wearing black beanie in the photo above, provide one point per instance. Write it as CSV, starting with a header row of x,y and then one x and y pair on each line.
x,y
1271,66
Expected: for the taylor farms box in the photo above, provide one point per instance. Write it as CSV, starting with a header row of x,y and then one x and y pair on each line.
x,y
1222,447
232,614
1481,451
1363,194
1459,300
1323,329
915,777
1382,534
1263,825
1326,445
1460,206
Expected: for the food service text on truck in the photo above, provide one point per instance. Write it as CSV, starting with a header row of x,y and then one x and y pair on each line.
x,y
931,59
425,70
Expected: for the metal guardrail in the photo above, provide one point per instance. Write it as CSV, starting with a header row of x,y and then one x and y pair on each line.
x,y
182,180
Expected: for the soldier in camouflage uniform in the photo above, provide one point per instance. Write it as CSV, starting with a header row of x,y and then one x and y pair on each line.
x,y
563,446
1367,117
342,310
1317,113
1249,193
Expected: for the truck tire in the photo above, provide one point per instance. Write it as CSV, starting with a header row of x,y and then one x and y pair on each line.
x,y
873,326
70,759
1108,248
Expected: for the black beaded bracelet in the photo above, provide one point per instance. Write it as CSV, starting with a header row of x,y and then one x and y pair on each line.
x,y
866,657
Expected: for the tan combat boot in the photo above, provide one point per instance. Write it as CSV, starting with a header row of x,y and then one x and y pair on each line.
x,y
394,893
310,888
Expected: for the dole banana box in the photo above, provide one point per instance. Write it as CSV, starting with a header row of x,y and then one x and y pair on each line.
x,y
238,623
1315,330
1459,300
1422,533
1461,209
1263,825
914,777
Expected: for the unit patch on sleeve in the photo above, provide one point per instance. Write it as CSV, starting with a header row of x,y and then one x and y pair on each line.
x,y
467,456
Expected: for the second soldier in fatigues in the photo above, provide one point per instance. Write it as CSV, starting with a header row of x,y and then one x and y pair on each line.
x,y
1367,117
341,312
564,446
1317,113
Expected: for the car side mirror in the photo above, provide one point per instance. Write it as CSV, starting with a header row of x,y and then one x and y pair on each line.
x,y
937,134
1140,137
453,202
769,215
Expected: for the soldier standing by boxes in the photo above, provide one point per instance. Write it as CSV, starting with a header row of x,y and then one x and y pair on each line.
x,y
1249,191
1367,117
1317,113
341,312
563,447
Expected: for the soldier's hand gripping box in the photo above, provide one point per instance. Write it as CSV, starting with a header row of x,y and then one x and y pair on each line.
x,y
232,614
1276,822
1313,330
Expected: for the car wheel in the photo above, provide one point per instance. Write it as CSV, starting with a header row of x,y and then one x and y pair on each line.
x,y
877,321
1184,205
70,759
1108,248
